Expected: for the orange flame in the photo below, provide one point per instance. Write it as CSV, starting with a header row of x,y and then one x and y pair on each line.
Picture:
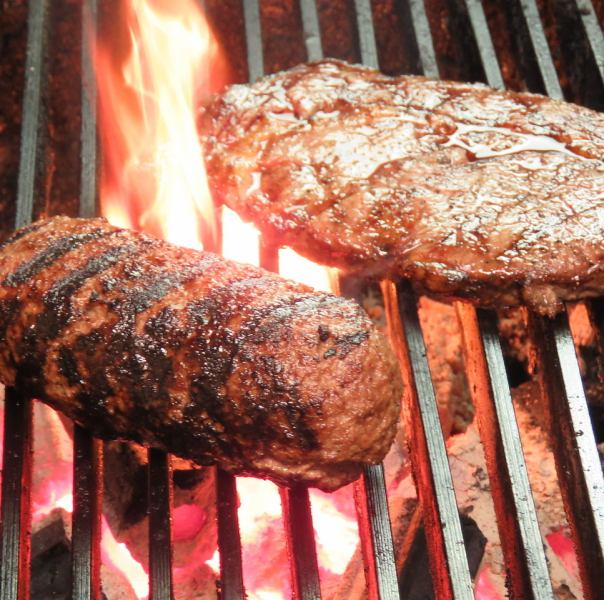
x,y
154,180
154,175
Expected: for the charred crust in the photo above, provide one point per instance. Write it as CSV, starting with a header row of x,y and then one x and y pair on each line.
x,y
188,352
51,253
9,308
93,398
57,309
220,350
23,231
68,366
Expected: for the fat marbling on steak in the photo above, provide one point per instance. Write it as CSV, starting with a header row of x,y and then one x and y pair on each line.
x,y
215,361
470,192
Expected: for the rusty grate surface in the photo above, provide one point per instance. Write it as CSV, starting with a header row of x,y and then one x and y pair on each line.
x,y
574,446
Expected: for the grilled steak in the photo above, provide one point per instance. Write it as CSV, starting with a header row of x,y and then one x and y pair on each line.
x,y
491,196
209,359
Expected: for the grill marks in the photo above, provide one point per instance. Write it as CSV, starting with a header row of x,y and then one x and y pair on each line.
x,y
169,347
232,329
50,255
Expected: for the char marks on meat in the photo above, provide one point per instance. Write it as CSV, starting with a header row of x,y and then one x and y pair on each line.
x,y
212,360
492,196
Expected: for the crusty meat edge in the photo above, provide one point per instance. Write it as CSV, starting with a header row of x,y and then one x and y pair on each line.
x,y
211,360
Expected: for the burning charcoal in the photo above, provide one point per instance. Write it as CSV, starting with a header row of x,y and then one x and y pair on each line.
x,y
51,557
415,581
473,493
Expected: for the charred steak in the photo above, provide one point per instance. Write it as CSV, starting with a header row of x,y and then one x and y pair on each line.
x,y
209,359
491,196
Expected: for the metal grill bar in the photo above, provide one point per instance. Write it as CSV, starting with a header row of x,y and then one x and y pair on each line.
x,y
484,43
423,35
88,171
448,561
87,452
593,31
229,541
32,109
297,514
516,517
372,511
370,490
86,518
312,30
577,462
572,438
367,43
545,63
376,534
160,537
297,517
16,496
253,39
18,415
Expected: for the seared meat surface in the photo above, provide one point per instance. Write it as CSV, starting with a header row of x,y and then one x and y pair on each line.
x,y
491,196
212,360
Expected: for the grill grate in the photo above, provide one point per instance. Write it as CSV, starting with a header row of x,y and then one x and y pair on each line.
x,y
571,434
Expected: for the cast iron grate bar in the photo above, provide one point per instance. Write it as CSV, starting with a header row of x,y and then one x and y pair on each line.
x,y
572,438
575,453
17,454
448,560
449,563
312,29
160,538
86,518
423,37
88,135
231,584
370,490
295,501
297,514
87,451
545,63
376,534
514,506
253,39
484,43
229,541
32,111
300,540
516,515
593,32
367,44
370,497
16,496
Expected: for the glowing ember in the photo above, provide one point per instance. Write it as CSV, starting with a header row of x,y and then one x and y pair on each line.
x,y
336,533
296,267
152,158
239,240
119,557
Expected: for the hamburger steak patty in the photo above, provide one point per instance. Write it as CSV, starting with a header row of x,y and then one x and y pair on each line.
x,y
491,196
208,359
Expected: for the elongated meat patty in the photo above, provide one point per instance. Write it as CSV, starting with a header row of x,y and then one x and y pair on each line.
x,y
212,360
491,196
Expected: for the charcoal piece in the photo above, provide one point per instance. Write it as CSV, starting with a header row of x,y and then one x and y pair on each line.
x,y
51,560
415,581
